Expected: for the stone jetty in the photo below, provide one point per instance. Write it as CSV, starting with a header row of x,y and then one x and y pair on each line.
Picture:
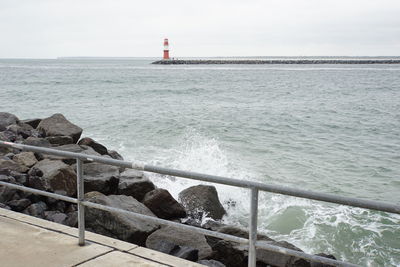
x,y
126,189
274,61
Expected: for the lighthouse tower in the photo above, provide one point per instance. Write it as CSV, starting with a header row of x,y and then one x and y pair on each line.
x,y
166,49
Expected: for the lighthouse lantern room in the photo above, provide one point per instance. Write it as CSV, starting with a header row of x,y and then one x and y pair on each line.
x,y
166,49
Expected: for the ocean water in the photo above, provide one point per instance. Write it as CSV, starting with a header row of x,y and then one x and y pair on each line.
x,y
327,128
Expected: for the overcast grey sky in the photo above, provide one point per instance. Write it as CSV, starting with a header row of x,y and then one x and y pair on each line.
x,y
55,28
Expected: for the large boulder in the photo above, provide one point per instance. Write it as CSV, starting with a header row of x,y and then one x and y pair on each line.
x,y
11,165
36,141
99,148
23,129
25,158
100,177
32,122
182,238
118,225
135,184
7,119
60,140
162,204
58,125
202,201
60,176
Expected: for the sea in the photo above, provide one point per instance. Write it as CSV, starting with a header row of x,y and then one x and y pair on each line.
x,y
325,128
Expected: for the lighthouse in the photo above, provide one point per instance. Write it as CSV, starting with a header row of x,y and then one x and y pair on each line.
x,y
166,49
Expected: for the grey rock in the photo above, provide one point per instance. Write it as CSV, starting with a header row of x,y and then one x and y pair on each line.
x,y
58,125
162,204
60,140
24,130
72,219
7,193
75,149
134,184
101,177
182,238
12,165
186,253
115,155
55,216
8,135
119,225
61,177
211,263
4,206
202,200
36,209
32,122
19,204
7,119
25,158
99,148
36,141
317,264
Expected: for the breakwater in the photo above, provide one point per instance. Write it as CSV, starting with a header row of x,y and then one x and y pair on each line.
x,y
275,61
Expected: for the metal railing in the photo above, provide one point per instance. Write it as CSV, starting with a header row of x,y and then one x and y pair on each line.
x,y
254,187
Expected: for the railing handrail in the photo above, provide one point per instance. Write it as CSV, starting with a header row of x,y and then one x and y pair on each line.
x,y
253,186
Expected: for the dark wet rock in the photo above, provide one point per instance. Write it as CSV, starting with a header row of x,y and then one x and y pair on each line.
x,y
7,119
55,216
36,209
36,141
7,193
183,252
24,130
11,165
135,184
75,149
58,125
119,225
61,177
19,204
182,238
60,140
101,177
35,172
317,264
162,204
32,122
9,155
115,155
211,263
202,200
99,148
21,178
4,206
25,158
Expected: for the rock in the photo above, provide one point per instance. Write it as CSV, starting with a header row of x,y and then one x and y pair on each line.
x,y
24,130
115,155
118,225
8,135
21,178
182,238
25,158
183,252
317,264
75,149
163,205
72,219
36,209
7,119
32,122
36,141
100,177
135,184
278,259
58,125
19,205
60,140
202,200
61,177
99,148
55,216
12,165
211,263
4,206
7,193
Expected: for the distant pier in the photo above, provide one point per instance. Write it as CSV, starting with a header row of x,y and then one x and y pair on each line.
x,y
275,61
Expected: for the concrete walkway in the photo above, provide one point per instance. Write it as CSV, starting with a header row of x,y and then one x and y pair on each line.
x,y
30,241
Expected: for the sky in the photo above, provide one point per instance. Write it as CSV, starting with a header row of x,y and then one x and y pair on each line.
x,y
207,28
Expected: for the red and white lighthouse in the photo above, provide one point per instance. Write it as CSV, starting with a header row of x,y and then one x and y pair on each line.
x,y
166,49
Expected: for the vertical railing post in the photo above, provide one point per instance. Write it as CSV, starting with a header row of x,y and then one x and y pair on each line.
x,y
253,227
80,197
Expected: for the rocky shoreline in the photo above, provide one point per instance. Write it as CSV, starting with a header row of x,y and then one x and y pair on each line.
x,y
274,61
126,189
